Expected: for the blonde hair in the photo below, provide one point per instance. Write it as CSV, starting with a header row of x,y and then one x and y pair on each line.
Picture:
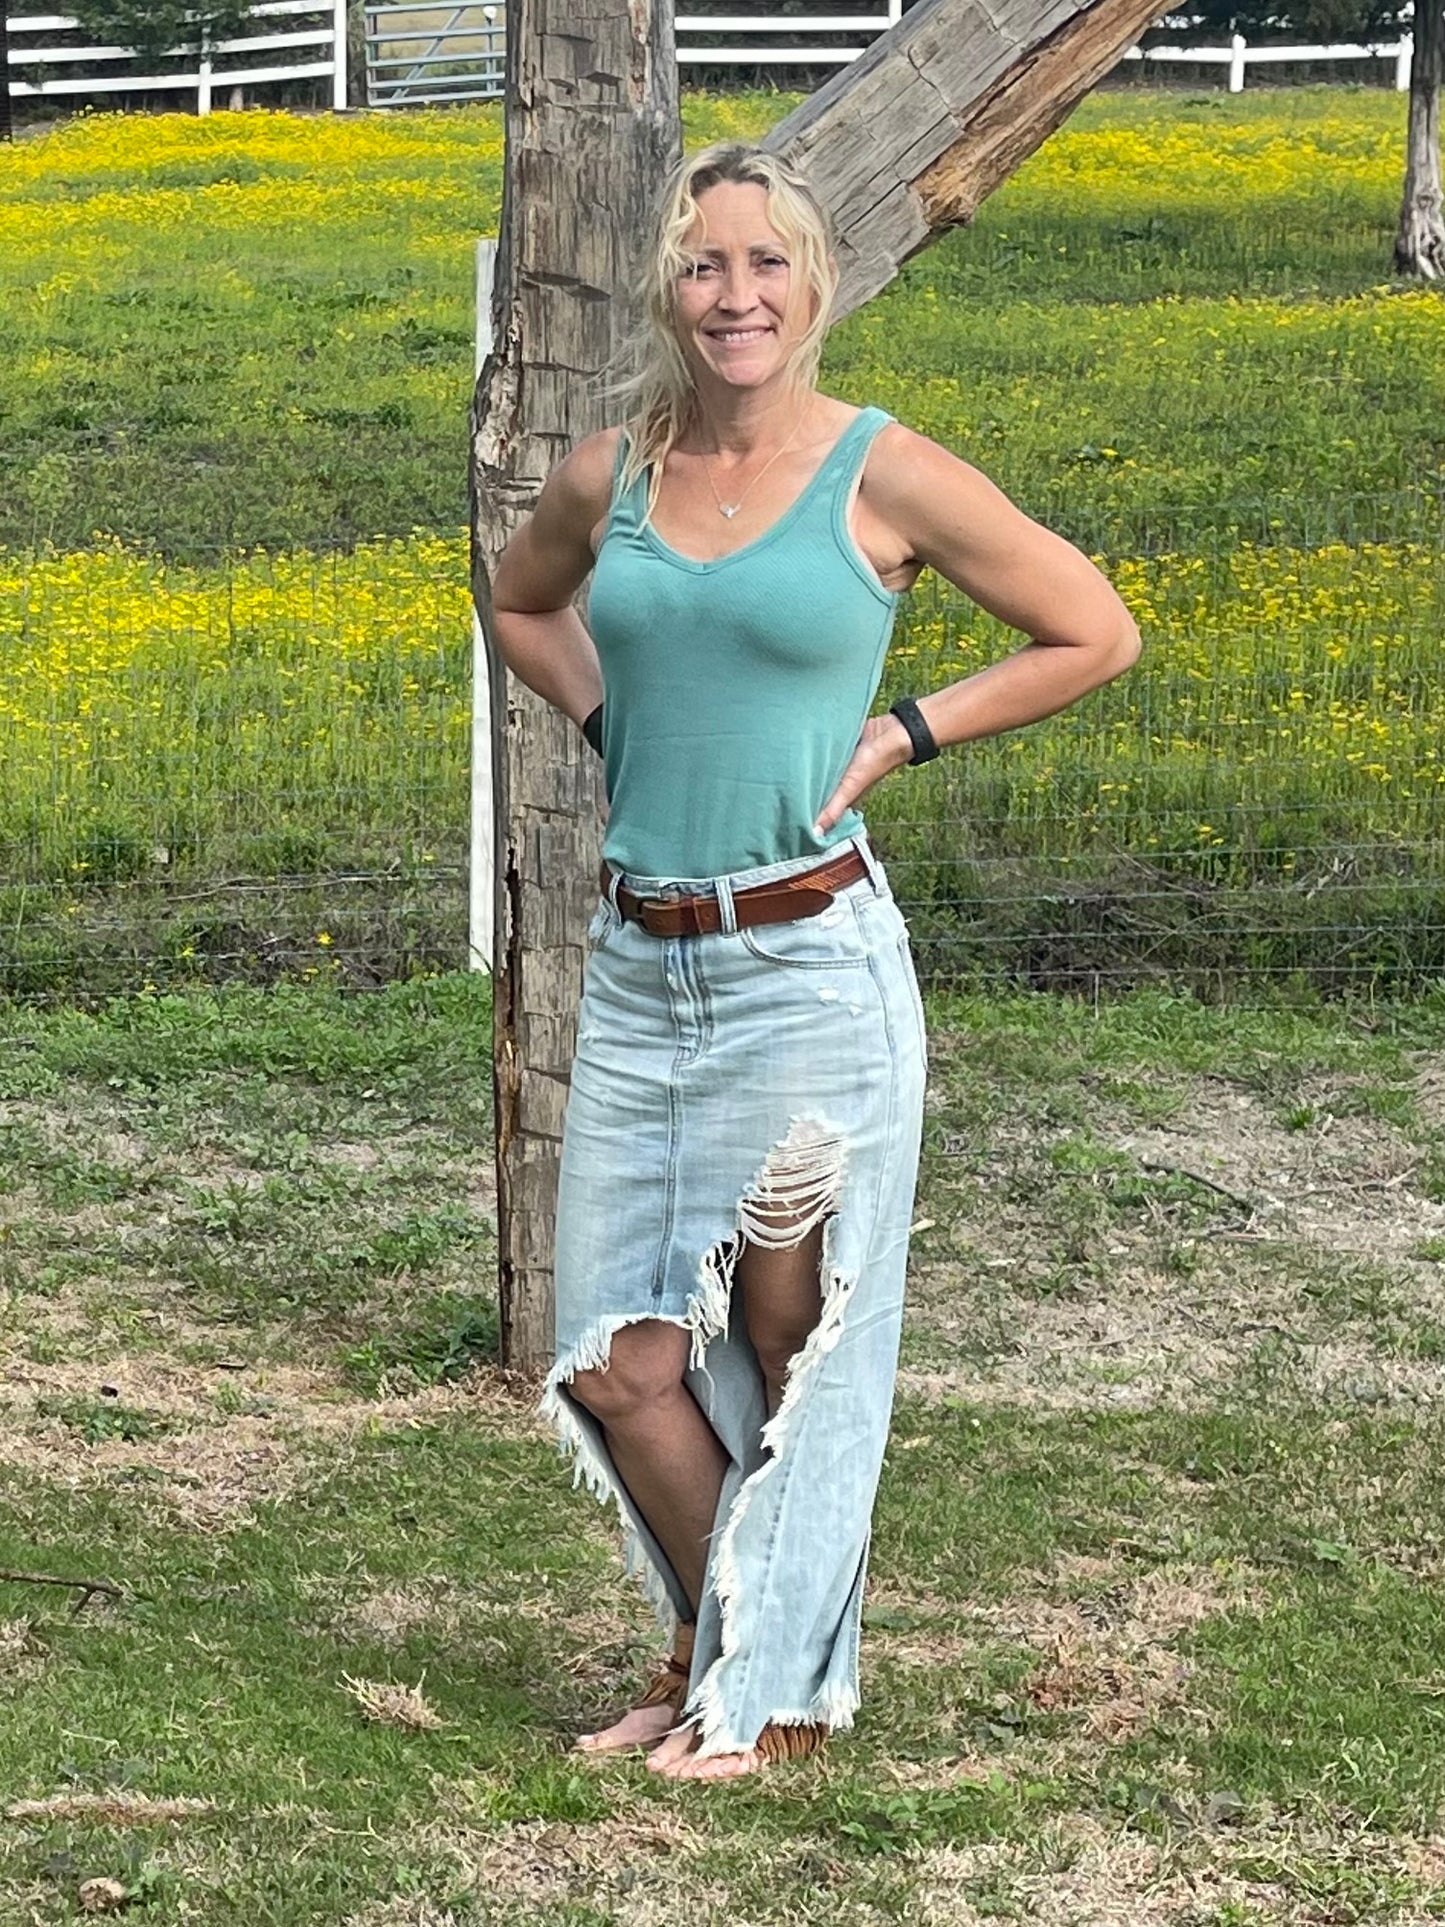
x,y
661,391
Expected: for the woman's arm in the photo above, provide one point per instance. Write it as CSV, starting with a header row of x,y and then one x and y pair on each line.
x,y
949,516
540,634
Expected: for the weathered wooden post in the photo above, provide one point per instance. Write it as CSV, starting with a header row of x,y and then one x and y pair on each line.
x,y
912,138
592,127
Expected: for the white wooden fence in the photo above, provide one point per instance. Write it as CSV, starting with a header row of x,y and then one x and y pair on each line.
x,y
1239,55
417,50
458,57
769,53
321,25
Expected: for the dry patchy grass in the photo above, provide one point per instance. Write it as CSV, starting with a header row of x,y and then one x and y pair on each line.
x,y
393,1703
109,1809
1272,1868
218,1464
1299,1247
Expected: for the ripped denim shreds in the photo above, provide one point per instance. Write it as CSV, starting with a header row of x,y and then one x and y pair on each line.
x,y
749,1086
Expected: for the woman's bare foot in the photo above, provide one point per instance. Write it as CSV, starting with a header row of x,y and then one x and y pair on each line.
x,y
659,1708
677,1759
643,1726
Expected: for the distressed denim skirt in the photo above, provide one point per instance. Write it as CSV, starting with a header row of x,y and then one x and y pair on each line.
x,y
749,1085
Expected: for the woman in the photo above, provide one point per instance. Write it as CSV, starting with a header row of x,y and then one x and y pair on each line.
x,y
745,1109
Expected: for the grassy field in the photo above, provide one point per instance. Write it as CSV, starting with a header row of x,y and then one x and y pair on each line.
x,y
1172,336
1198,285
1155,1634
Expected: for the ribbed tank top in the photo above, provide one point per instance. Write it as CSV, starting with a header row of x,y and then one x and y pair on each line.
x,y
735,690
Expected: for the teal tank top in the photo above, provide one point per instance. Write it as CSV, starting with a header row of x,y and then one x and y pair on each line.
x,y
735,690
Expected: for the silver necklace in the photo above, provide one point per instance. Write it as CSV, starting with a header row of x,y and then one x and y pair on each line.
x,y
730,509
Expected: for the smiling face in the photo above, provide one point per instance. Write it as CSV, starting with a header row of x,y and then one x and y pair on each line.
x,y
732,299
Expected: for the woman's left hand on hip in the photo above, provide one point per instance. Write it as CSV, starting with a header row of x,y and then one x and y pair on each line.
x,y
883,746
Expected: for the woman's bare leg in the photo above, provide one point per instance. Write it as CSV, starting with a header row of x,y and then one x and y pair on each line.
x,y
670,1460
782,1299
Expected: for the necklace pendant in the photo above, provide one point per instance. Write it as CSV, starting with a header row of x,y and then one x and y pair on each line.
x,y
730,509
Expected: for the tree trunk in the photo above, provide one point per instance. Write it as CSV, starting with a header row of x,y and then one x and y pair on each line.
x,y
909,140
592,127
1420,242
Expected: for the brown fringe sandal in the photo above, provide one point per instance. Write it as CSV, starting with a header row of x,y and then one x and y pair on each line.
x,y
669,1685
776,1745
780,1743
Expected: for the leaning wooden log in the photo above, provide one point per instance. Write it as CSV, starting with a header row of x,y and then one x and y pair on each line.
x,y
592,127
909,140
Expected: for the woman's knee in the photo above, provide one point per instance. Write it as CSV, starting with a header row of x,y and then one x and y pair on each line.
x,y
777,1362
646,1363
777,1343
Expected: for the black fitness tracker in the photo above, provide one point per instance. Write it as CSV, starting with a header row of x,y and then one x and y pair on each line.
x,y
919,734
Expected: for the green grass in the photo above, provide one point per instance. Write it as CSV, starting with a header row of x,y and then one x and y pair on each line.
x,y
1154,1618
1218,313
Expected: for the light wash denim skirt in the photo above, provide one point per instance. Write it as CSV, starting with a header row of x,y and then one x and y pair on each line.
x,y
725,1086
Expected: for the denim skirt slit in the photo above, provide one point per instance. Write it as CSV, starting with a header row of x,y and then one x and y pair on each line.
x,y
749,1086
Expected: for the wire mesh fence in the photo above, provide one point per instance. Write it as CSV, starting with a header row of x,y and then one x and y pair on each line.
x,y
253,764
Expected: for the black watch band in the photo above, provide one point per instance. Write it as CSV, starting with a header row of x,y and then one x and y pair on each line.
x,y
592,729
919,734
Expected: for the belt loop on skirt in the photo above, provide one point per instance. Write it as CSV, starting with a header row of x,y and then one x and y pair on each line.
x,y
875,868
725,906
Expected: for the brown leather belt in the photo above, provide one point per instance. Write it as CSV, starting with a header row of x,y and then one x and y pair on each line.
x,y
801,895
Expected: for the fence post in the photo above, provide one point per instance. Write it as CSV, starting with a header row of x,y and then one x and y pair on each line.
x,y
1403,55
495,57
7,123
482,866
339,56
1236,64
203,79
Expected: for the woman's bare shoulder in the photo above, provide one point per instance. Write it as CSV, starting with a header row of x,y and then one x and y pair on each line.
x,y
899,448
587,471
906,470
578,490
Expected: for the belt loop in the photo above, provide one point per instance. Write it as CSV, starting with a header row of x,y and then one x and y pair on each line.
x,y
726,909
614,877
875,868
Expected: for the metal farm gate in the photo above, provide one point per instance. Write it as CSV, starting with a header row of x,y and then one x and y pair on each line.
x,y
417,54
